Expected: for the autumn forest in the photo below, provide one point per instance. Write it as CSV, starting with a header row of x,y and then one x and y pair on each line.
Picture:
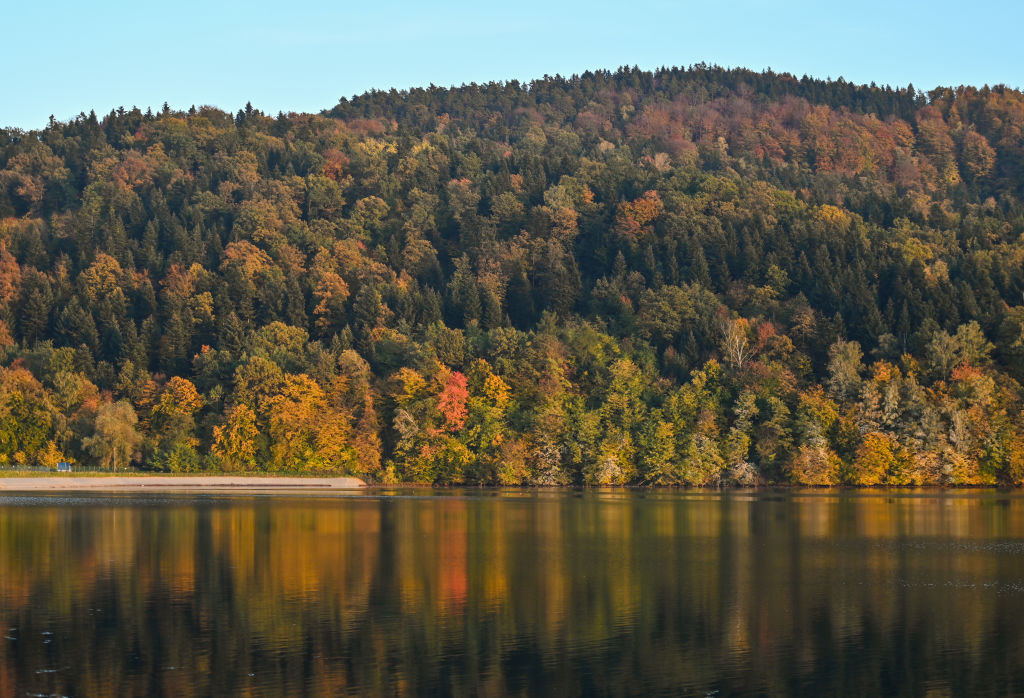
x,y
684,277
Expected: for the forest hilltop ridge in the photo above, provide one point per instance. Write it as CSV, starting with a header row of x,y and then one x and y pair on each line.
x,y
688,276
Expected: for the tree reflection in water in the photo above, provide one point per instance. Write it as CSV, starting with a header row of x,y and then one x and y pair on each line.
x,y
513,593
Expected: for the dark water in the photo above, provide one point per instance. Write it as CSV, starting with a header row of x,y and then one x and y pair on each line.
x,y
531,593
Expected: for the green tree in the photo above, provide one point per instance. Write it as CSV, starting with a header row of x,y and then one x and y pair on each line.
x,y
115,442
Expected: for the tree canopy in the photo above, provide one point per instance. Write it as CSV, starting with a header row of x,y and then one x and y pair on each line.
x,y
689,276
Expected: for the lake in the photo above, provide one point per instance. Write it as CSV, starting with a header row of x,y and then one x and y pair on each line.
x,y
513,592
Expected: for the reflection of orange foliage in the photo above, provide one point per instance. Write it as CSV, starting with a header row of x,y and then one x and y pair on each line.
x,y
454,583
310,580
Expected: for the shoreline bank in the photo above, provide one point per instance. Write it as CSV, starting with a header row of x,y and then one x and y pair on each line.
x,y
175,482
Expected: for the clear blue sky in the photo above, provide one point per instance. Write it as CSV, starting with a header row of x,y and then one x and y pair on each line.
x,y
62,57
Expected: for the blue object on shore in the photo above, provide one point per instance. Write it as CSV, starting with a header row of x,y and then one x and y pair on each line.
x,y
63,467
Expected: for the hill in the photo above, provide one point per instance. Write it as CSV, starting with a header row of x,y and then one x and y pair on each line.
x,y
690,276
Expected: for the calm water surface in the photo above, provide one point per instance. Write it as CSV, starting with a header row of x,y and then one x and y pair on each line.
x,y
523,593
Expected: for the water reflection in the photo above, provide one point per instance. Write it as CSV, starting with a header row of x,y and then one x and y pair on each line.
x,y
514,593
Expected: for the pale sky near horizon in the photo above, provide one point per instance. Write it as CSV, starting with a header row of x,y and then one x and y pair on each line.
x,y
62,58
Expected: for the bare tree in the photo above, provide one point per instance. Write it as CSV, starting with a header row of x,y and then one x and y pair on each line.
x,y
736,341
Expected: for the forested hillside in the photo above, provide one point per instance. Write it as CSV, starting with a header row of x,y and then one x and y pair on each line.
x,y
693,276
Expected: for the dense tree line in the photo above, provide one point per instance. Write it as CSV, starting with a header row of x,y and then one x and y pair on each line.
x,y
690,276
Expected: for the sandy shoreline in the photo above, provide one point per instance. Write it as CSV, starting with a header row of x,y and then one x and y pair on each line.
x,y
202,482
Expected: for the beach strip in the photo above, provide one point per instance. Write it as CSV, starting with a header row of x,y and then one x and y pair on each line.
x,y
174,482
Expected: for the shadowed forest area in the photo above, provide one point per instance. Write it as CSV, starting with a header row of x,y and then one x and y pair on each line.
x,y
692,276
